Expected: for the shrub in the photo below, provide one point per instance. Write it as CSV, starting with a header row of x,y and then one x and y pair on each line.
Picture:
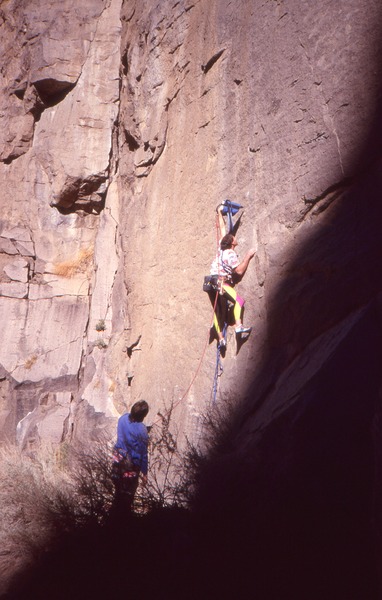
x,y
169,468
56,493
35,505
101,344
78,264
100,325
30,362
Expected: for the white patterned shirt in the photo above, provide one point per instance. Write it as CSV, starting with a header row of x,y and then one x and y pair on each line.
x,y
225,263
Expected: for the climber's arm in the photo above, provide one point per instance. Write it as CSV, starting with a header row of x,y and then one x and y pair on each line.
x,y
222,229
243,266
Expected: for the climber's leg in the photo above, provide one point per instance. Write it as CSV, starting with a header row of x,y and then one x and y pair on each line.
x,y
216,303
216,325
231,293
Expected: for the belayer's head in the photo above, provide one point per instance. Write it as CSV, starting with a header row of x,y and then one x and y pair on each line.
x,y
138,411
228,241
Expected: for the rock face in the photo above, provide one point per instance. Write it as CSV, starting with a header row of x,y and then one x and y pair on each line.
x,y
60,106
124,124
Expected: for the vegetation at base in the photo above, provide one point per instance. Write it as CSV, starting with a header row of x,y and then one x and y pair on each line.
x,y
56,496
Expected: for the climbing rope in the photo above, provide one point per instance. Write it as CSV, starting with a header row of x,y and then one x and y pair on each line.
x,y
175,404
219,366
231,208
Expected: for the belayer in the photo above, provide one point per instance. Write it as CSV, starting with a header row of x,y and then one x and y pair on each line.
x,y
228,269
130,455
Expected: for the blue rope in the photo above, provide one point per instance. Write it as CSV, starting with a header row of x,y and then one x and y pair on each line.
x,y
219,366
230,209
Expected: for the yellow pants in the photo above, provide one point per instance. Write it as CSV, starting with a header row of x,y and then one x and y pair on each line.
x,y
230,293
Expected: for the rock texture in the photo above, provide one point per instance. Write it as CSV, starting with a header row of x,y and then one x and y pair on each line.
x,y
60,106
124,124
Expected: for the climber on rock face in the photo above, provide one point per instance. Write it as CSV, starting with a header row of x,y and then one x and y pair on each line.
x,y
229,269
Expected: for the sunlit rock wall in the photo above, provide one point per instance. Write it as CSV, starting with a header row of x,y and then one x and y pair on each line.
x,y
60,99
124,124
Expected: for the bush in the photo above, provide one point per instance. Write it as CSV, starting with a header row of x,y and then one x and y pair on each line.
x,y
36,504
79,264
55,493
169,472
100,325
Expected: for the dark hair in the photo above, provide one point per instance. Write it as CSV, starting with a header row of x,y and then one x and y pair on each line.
x,y
138,411
227,241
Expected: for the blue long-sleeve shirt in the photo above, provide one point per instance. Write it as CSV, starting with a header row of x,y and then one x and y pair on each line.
x,y
132,439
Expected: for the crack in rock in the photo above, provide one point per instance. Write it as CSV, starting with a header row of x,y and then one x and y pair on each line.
x,y
133,347
330,194
210,63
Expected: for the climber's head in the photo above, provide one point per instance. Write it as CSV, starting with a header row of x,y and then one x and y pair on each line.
x,y
138,411
228,241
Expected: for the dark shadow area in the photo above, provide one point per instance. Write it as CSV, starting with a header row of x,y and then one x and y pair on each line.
x,y
53,91
84,207
290,498
139,557
292,514
336,274
86,195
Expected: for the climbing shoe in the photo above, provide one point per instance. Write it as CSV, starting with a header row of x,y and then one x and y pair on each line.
x,y
242,329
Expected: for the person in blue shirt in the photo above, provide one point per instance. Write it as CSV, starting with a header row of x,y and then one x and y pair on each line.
x,y
130,454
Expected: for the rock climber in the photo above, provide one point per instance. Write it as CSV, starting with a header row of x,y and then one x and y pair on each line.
x,y
130,455
229,269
